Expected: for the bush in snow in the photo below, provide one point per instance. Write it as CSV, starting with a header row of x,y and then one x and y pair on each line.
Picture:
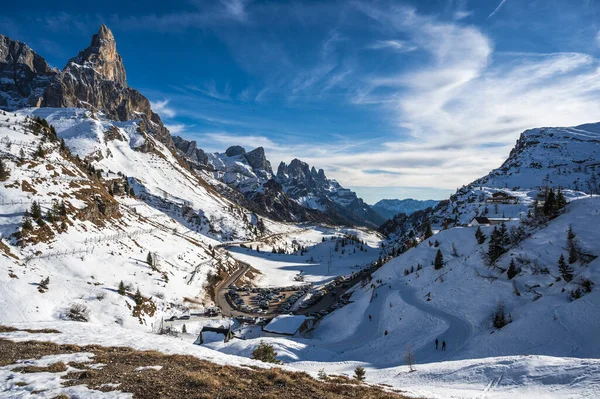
x,y
44,283
122,288
359,374
78,312
265,353
322,375
499,316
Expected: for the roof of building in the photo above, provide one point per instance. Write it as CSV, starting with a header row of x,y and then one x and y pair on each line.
x,y
502,194
220,330
481,220
285,324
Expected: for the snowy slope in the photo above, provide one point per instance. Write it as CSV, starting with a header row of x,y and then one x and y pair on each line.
x,y
394,313
104,239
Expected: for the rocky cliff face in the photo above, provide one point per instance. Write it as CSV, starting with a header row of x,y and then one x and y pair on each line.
x,y
190,150
95,79
314,190
24,75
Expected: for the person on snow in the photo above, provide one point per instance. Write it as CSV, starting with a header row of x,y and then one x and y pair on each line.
x,y
444,345
436,344
369,317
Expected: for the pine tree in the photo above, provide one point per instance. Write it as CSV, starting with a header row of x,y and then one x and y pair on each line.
x,y
137,297
561,201
121,288
439,260
359,374
565,270
27,222
150,260
428,231
512,270
479,236
573,254
36,211
550,203
504,237
265,353
570,233
494,247
62,209
184,329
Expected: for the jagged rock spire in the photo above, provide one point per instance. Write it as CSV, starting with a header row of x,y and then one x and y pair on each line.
x,y
103,57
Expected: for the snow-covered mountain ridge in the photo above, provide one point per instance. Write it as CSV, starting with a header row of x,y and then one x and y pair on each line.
x,y
277,195
565,157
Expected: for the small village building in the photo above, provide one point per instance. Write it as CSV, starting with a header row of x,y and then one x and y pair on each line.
x,y
485,221
214,334
480,221
288,325
501,197
212,311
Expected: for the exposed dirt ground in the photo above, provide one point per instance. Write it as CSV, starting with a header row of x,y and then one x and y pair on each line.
x,y
181,375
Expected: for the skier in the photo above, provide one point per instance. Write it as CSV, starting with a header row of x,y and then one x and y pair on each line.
x,y
369,317
436,344
444,345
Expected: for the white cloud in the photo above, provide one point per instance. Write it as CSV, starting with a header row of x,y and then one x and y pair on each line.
x,y
496,9
162,109
397,45
176,129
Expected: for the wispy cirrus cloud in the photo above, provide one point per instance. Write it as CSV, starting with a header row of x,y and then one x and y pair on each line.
x,y
496,9
162,108
397,45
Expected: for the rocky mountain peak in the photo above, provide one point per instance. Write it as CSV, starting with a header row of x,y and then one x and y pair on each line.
x,y
258,160
103,57
24,75
235,150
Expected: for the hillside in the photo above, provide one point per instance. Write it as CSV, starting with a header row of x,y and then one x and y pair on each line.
x,y
120,204
389,208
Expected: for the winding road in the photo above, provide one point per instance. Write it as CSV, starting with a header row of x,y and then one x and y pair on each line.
x,y
456,335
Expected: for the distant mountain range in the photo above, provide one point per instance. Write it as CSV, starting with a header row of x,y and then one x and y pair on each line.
x,y
389,208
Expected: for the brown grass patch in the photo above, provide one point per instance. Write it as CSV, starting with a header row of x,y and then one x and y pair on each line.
x,y
4,329
185,376
4,248
57,367
25,186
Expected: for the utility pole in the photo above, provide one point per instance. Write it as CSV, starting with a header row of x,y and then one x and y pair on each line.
x,y
329,262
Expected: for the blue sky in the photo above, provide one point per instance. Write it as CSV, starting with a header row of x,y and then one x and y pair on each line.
x,y
394,99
